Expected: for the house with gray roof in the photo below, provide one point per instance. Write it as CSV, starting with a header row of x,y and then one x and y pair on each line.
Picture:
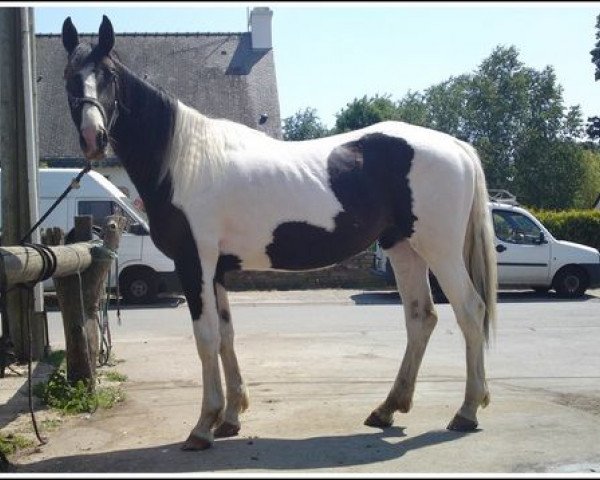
x,y
222,75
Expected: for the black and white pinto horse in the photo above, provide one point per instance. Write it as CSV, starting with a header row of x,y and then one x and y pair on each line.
x,y
221,196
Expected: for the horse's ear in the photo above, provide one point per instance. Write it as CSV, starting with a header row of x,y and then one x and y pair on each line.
x,y
70,37
106,40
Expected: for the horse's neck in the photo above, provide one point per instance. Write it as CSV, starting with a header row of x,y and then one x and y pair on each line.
x,y
143,131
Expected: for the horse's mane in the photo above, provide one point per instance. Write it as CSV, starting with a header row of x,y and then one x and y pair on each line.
x,y
199,146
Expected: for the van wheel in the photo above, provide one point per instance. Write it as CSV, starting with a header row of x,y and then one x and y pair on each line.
x,y
138,285
571,282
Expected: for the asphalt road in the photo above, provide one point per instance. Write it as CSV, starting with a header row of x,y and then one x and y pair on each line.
x,y
316,365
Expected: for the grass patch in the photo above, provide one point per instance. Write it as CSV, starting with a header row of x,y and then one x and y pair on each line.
x,y
114,376
109,396
51,423
12,442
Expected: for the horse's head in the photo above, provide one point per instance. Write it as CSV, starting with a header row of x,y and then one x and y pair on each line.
x,y
91,85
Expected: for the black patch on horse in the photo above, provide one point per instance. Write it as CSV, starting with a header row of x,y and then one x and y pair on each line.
x,y
226,263
171,232
369,177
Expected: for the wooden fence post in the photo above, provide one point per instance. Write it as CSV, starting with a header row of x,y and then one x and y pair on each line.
x,y
89,338
70,300
79,301
94,279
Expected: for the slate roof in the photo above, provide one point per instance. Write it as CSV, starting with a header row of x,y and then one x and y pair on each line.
x,y
217,73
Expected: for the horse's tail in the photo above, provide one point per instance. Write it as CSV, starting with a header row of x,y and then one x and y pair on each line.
x,y
479,251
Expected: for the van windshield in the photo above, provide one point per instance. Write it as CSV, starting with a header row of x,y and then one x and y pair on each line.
x,y
135,214
135,209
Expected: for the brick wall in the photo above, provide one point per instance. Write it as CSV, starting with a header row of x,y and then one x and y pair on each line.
x,y
352,273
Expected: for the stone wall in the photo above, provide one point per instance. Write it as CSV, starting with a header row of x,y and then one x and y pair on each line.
x,y
352,273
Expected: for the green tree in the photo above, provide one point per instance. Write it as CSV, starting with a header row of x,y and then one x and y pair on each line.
x,y
447,104
412,109
573,125
596,50
590,186
549,173
304,125
545,114
496,112
513,109
593,128
366,111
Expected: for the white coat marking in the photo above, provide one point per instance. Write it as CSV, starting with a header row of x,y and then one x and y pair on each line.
x,y
90,115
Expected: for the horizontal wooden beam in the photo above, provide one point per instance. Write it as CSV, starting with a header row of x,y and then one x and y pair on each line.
x,y
26,264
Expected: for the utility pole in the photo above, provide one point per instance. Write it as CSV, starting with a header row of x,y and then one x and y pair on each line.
x,y
19,157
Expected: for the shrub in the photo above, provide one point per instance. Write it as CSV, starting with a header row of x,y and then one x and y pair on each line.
x,y
579,226
58,393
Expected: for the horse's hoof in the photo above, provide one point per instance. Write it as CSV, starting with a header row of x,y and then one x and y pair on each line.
x,y
196,443
374,420
462,424
226,429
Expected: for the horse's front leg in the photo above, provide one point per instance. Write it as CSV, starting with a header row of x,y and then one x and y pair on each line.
x,y
196,272
237,393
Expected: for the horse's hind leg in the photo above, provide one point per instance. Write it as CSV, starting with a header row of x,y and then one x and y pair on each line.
x,y
237,393
469,309
411,278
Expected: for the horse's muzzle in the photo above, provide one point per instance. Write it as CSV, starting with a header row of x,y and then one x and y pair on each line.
x,y
93,142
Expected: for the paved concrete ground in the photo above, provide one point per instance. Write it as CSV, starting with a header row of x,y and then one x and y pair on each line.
x,y
317,363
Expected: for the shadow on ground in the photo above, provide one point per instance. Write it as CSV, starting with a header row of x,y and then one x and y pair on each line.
x,y
373,298
250,454
18,403
382,298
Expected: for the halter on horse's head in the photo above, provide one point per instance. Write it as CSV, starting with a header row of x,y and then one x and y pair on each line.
x,y
91,84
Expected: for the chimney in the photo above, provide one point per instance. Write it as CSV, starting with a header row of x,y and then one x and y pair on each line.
x,y
260,28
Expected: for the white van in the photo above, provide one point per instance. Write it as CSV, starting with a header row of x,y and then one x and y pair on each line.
x,y
143,270
528,257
